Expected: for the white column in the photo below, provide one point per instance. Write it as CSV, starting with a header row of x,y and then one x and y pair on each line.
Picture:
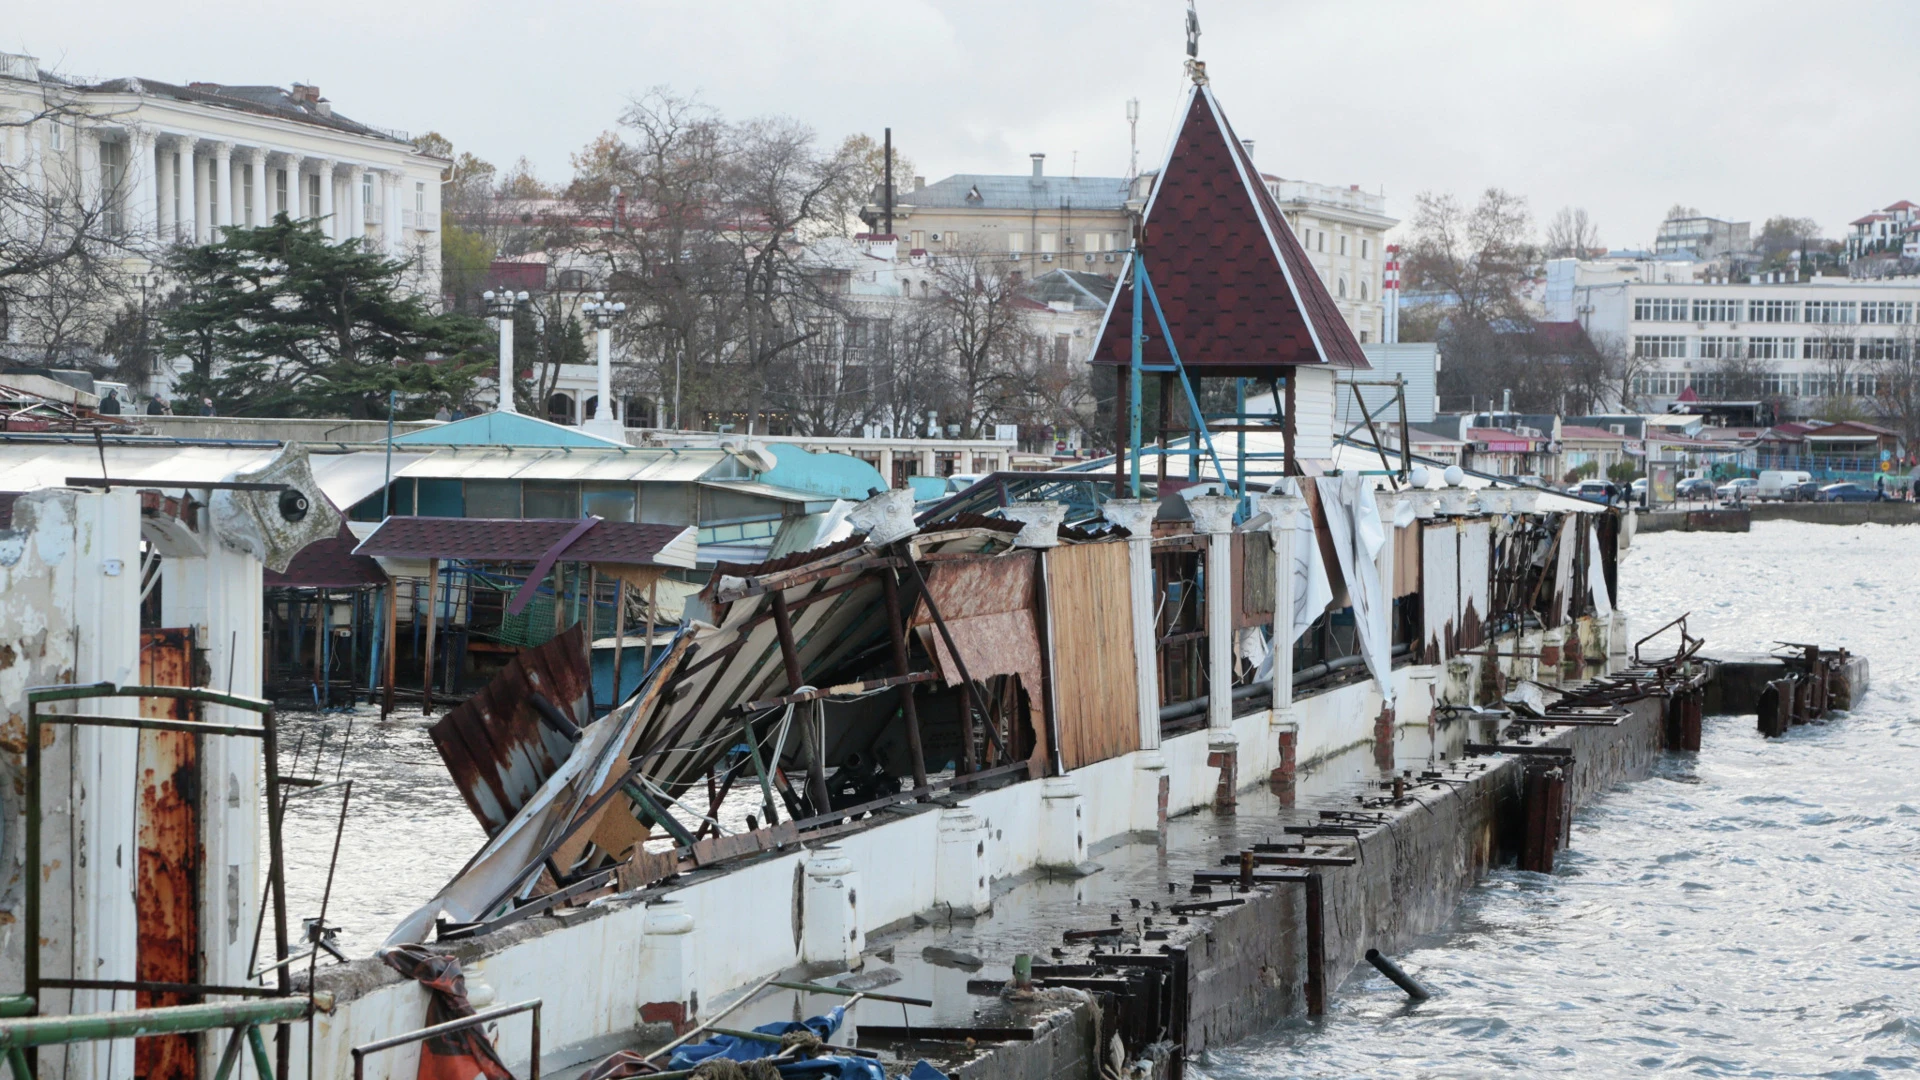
x,y
505,403
1213,517
296,194
1136,516
329,224
194,225
220,186
163,217
603,422
142,192
16,149
356,223
395,217
262,212
1389,504
1283,511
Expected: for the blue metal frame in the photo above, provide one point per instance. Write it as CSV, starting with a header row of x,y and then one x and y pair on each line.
x,y
1237,483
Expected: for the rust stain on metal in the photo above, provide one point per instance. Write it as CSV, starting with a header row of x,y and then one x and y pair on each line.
x,y
495,743
170,858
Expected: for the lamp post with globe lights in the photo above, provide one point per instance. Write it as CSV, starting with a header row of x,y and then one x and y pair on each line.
x,y
602,313
502,305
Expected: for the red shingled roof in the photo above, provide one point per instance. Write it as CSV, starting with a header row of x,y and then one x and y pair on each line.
x,y
327,564
527,539
1901,205
1239,293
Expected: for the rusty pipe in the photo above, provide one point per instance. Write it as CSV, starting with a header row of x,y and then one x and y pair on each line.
x,y
1400,978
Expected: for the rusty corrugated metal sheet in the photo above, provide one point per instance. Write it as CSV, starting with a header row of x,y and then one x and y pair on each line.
x,y
495,744
169,862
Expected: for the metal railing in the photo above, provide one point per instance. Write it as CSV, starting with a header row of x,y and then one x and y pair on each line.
x,y
533,1053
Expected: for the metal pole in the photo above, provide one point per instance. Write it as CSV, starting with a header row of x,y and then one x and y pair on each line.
x,y
139,1023
619,638
392,645
646,658
386,488
277,876
1400,978
1133,380
433,624
896,630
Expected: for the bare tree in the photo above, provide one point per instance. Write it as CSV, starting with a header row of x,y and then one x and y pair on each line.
x,y
976,307
64,234
1479,257
1571,235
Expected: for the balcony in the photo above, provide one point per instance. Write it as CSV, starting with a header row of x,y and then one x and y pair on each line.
x,y
373,216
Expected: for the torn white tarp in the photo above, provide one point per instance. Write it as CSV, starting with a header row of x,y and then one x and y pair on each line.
x,y
1353,521
504,862
1597,577
1312,589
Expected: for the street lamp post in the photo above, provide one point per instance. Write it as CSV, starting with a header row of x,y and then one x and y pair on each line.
x,y
501,305
602,312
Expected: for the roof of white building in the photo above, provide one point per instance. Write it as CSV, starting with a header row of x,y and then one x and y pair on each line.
x,y
305,108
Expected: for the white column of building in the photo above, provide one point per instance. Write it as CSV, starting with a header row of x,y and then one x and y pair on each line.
x,y
164,220
262,208
1389,504
392,218
194,228
220,187
296,190
356,225
1136,516
143,184
87,159
330,223
16,148
1213,518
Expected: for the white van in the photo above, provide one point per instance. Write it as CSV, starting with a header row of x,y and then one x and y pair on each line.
x,y
1781,484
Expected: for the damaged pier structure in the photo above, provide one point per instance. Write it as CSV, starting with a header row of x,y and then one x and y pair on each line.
x,y
1082,772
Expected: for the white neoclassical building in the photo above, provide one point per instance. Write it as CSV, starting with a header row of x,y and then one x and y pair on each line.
x,y
176,163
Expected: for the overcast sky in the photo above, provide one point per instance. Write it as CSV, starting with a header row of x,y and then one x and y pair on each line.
x,y
1744,109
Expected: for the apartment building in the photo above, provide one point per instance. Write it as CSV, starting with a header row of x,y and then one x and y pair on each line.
x,y
1343,230
1043,222
1795,342
1892,231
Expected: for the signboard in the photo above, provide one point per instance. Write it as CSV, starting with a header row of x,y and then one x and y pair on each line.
x,y
1660,484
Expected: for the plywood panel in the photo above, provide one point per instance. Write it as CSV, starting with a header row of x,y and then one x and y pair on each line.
x,y
1093,660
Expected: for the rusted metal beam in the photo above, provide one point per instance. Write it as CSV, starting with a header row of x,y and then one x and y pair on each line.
x,y
863,687
433,622
815,741
897,638
787,579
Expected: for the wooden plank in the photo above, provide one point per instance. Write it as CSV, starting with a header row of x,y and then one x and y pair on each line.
x,y
1092,629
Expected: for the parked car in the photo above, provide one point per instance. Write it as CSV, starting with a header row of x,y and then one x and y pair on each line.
x,y
1805,491
1845,492
1597,490
1694,487
1742,488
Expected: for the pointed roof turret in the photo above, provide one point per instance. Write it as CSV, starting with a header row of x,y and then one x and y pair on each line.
x,y
1239,293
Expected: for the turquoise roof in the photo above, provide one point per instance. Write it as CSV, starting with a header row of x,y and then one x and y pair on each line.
x,y
502,429
836,475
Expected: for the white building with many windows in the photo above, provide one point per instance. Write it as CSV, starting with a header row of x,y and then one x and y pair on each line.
x,y
1343,230
1803,342
173,163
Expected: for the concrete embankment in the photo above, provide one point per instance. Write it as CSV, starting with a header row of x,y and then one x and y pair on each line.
x,y
1705,520
1839,513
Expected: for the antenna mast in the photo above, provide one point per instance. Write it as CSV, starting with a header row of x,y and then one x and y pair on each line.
x,y
1133,137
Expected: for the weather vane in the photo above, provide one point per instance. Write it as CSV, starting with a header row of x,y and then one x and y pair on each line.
x,y
1196,68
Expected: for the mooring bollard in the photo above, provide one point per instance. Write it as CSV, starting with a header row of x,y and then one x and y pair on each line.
x,y
1400,978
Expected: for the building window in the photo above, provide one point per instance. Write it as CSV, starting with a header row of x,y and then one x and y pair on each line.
x,y
366,191
1322,241
1659,383
313,195
58,135
1773,348
280,191
419,205
1366,249
1830,311
1659,309
1780,384
113,173
1048,242
1343,245
1886,313
1363,290
1773,311
1717,310
1826,348
1660,347
1719,348
246,194
1016,243
1883,348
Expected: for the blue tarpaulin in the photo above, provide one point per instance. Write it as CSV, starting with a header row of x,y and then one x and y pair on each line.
x,y
738,1049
